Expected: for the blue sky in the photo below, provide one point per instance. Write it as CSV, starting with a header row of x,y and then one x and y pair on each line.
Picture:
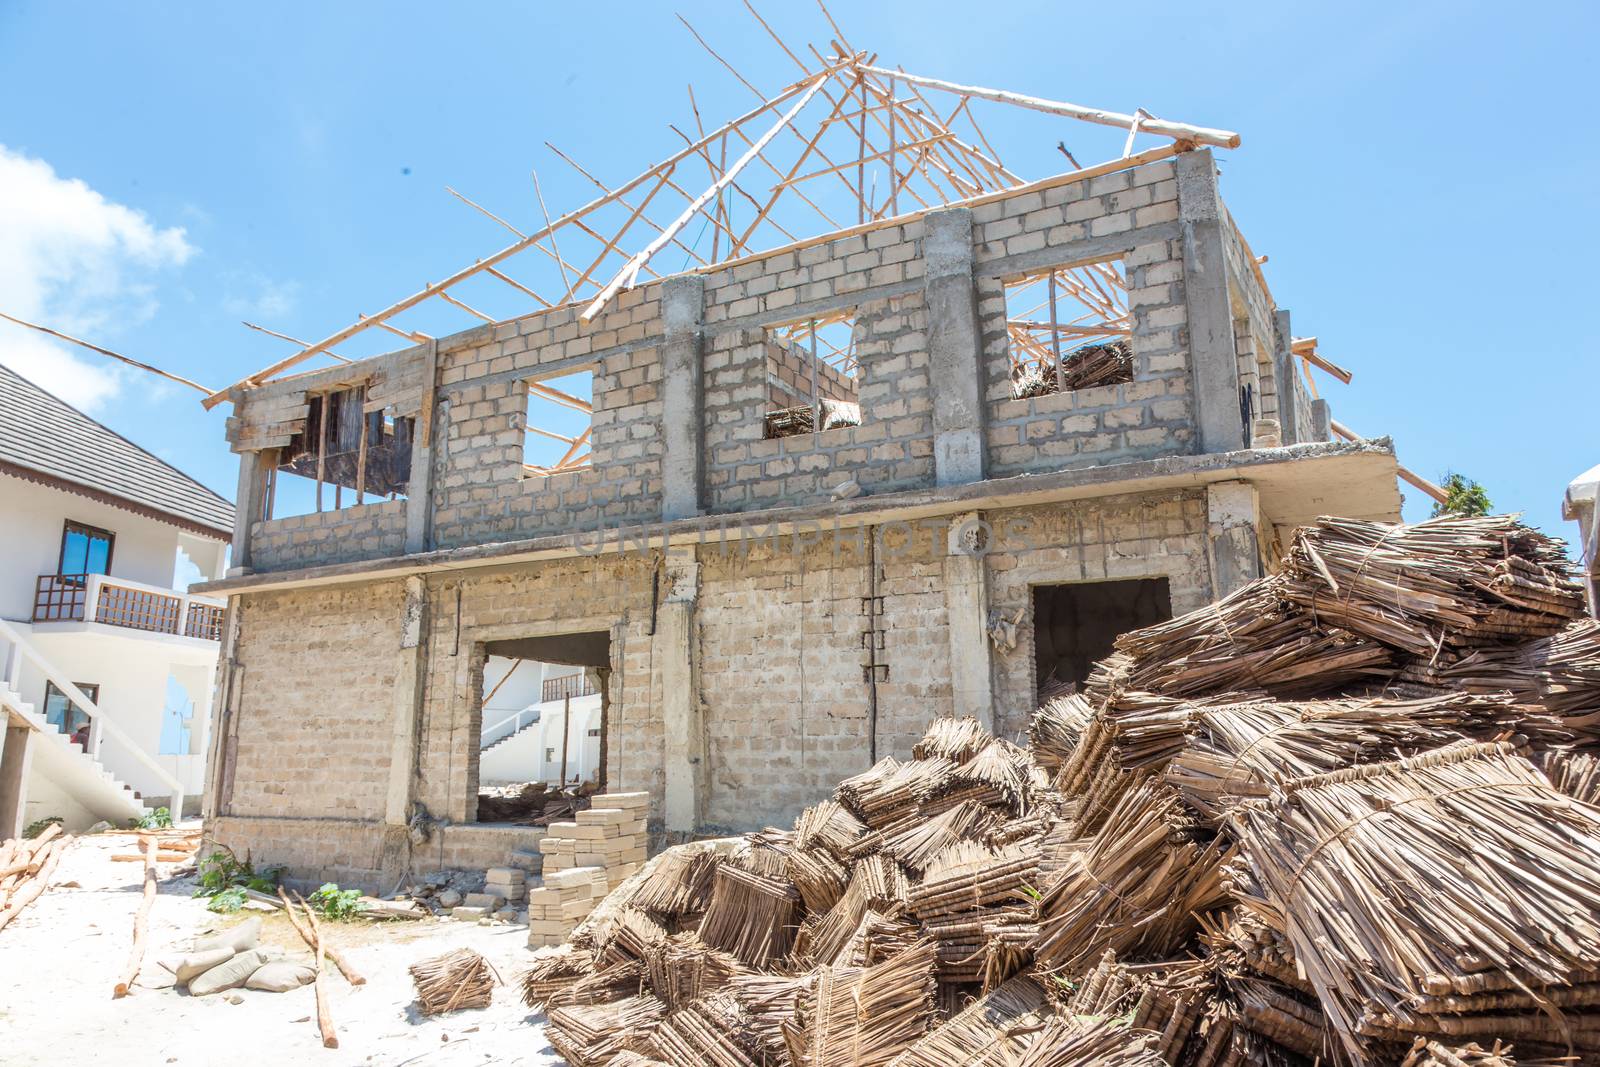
x,y
1422,178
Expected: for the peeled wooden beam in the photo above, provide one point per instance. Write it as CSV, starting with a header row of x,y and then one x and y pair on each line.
x,y
141,922
130,361
1179,131
30,890
1306,349
630,272
293,340
351,975
330,1036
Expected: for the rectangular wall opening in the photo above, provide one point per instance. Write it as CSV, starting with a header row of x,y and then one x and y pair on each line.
x,y
558,420
344,456
811,375
1074,625
1069,328
541,746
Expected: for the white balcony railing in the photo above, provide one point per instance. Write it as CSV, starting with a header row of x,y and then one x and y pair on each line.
x,y
121,602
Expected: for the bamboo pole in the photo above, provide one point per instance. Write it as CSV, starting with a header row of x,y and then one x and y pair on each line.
x,y
292,340
1408,476
630,271
1180,131
141,922
523,244
330,1036
130,361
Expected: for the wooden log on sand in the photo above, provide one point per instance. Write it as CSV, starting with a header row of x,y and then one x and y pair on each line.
x,y
141,922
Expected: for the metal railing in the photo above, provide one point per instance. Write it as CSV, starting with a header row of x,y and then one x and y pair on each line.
x,y
15,650
120,602
570,685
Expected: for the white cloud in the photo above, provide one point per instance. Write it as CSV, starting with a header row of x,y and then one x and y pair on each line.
x,y
75,261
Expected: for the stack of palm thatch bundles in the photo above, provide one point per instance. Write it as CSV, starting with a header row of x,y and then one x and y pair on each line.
x,y
455,980
1344,816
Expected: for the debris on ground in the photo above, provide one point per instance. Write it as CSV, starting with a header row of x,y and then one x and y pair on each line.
x,y
532,804
25,868
1341,817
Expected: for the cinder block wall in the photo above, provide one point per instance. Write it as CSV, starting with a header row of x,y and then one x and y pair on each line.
x,y
481,493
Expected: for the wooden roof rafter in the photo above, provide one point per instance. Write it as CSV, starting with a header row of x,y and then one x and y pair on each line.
x,y
862,113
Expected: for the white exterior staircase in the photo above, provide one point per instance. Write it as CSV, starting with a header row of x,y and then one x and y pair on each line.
x,y
74,771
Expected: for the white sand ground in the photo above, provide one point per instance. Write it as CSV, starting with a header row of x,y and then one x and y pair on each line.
x,y
61,957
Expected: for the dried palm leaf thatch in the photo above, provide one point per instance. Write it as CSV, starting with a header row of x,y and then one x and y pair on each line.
x,y
865,1017
977,943
1136,888
553,973
1242,750
956,740
767,1002
1425,1053
1489,877
629,939
680,885
1106,363
970,875
1451,581
916,846
819,878
1252,639
1561,673
1166,999
765,853
828,825
1576,774
1002,774
588,1035
629,1058
890,792
600,985
1277,1015
1056,728
981,1034
683,968
876,938
876,882
459,979
750,916
1064,1041
704,1033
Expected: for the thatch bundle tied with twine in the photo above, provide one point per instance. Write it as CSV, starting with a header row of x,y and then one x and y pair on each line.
x,y
455,980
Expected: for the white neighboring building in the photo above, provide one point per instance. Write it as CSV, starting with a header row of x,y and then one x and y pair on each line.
x,y
1582,506
525,722
106,663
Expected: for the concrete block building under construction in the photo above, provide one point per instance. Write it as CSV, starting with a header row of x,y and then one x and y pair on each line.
x,y
804,500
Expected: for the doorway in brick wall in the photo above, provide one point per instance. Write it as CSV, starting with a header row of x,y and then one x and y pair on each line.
x,y
542,737
1075,624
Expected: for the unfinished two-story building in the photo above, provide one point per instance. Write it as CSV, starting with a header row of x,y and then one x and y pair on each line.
x,y
806,500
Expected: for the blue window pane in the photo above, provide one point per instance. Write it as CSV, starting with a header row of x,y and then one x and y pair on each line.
x,y
85,552
99,554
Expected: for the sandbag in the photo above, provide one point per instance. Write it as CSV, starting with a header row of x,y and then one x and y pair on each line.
x,y
229,975
192,965
241,937
280,977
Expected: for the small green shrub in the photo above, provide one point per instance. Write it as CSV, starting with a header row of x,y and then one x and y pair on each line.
x,y
227,900
159,819
224,873
335,903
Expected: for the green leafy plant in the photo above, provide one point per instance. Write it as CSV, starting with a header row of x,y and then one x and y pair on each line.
x,y
227,900
1462,496
224,878
335,903
38,826
159,819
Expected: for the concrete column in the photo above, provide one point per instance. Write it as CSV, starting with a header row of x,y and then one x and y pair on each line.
x,y
966,597
419,489
683,725
682,395
1233,522
408,693
1213,362
954,349
1283,366
248,501
14,761
1321,420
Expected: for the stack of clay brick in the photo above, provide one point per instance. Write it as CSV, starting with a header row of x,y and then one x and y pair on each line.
x,y
609,835
565,900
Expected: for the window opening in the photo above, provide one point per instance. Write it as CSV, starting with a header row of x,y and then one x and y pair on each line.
x,y
812,372
85,550
1069,328
560,418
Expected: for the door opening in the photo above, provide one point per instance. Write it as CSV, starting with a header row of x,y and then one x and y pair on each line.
x,y
1074,625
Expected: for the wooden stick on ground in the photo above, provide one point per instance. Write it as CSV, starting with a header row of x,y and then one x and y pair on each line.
x,y
351,975
141,921
330,1037
27,892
